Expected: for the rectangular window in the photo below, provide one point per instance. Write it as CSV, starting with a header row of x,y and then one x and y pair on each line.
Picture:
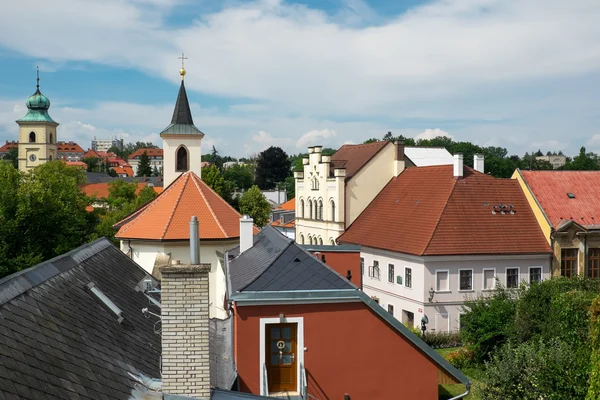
x,y
376,270
441,281
489,279
568,262
362,266
391,309
466,279
594,263
535,274
512,278
408,277
391,273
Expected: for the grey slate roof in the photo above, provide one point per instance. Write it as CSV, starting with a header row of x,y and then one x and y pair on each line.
x,y
57,341
182,121
276,263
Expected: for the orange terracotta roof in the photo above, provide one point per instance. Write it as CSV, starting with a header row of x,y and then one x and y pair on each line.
x,y
289,205
168,216
8,145
426,211
550,188
290,224
91,154
354,156
69,147
149,152
119,170
128,170
77,164
100,190
157,189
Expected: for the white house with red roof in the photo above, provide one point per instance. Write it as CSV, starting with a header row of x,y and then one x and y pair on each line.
x,y
155,156
435,235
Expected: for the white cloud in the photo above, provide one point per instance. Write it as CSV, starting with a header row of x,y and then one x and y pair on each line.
x,y
312,138
433,133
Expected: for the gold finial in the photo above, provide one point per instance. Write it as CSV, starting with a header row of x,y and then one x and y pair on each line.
x,y
182,70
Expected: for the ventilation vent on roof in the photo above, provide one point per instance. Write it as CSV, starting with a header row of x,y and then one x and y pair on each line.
x,y
106,302
571,195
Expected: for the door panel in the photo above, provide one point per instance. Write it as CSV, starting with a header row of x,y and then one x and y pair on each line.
x,y
281,357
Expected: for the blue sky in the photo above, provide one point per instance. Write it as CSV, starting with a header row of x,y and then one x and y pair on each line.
x,y
519,74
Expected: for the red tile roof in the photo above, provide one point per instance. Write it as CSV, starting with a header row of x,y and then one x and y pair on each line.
x,y
128,170
168,216
354,156
69,147
100,190
80,164
550,188
289,205
8,145
119,170
149,152
426,211
91,154
290,224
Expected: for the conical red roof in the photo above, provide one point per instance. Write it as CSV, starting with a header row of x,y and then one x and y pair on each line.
x,y
167,217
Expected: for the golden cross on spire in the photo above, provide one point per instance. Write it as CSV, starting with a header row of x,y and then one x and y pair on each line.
x,y
182,70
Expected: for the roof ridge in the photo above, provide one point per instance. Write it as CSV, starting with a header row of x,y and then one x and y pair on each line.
x,y
175,205
212,212
326,266
437,223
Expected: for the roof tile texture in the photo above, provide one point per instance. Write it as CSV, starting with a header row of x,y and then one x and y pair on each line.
x,y
168,216
426,211
551,187
149,152
354,156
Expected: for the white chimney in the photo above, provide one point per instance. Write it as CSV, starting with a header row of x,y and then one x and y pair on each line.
x,y
478,163
185,330
246,233
458,165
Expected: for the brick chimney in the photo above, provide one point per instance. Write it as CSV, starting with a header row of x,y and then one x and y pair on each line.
x,y
399,163
478,163
185,327
246,233
458,165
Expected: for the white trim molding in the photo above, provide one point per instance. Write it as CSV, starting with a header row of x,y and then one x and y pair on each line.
x,y
440,290
299,344
483,279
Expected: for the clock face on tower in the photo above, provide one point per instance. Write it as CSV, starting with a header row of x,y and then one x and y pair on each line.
x,y
32,157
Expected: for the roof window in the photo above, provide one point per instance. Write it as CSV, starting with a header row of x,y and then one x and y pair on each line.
x,y
106,302
571,195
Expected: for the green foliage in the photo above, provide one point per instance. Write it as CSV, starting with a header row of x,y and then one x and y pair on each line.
x,y
551,370
461,358
129,148
290,187
439,340
594,382
155,171
112,172
42,214
120,194
584,161
272,167
254,204
240,175
213,178
12,155
215,159
144,168
488,322
93,164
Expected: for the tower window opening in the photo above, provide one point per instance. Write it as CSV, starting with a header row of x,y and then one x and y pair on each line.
x,y
182,159
31,137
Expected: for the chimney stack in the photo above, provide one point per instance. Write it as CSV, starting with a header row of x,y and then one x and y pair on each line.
x,y
399,163
194,241
246,233
478,163
458,165
185,330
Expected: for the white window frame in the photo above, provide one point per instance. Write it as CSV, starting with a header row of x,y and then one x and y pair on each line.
x,y
483,279
393,275
405,280
437,289
506,277
299,344
436,321
387,308
529,273
460,314
372,270
472,280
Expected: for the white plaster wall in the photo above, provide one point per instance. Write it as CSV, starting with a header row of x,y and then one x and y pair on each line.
x,y
144,253
171,143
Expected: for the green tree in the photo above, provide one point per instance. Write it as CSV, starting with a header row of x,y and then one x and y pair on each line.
x,y
129,148
144,168
112,172
155,171
93,164
584,161
273,166
241,175
120,194
12,155
213,178
290,187
254,204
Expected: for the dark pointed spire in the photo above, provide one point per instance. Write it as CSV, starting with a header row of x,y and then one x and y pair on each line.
x,y
182,114
38,79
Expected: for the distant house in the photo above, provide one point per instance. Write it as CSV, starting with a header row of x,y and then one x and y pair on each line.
x,y
301,328
7,146
155,157
566,205
283,218
435,235
557,160
332,191
69,151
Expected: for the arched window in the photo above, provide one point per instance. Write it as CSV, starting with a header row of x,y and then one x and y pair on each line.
x,y
332,206
320,210
310,239
301,208
321,241
31,137
310,209
301,239
50,157
50,141
315,183
182,159
332,242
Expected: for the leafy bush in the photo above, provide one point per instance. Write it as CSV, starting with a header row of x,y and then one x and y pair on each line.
x,y
549,370
442,340
414,329
489,321
594,382
461,358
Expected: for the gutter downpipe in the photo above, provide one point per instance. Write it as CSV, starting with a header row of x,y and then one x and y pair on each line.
x,y
130,249
460,396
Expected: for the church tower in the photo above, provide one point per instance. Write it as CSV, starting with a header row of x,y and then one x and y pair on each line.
x,y
37,132
182,141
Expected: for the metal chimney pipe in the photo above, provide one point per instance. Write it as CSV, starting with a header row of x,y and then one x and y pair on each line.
x,y
194,242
